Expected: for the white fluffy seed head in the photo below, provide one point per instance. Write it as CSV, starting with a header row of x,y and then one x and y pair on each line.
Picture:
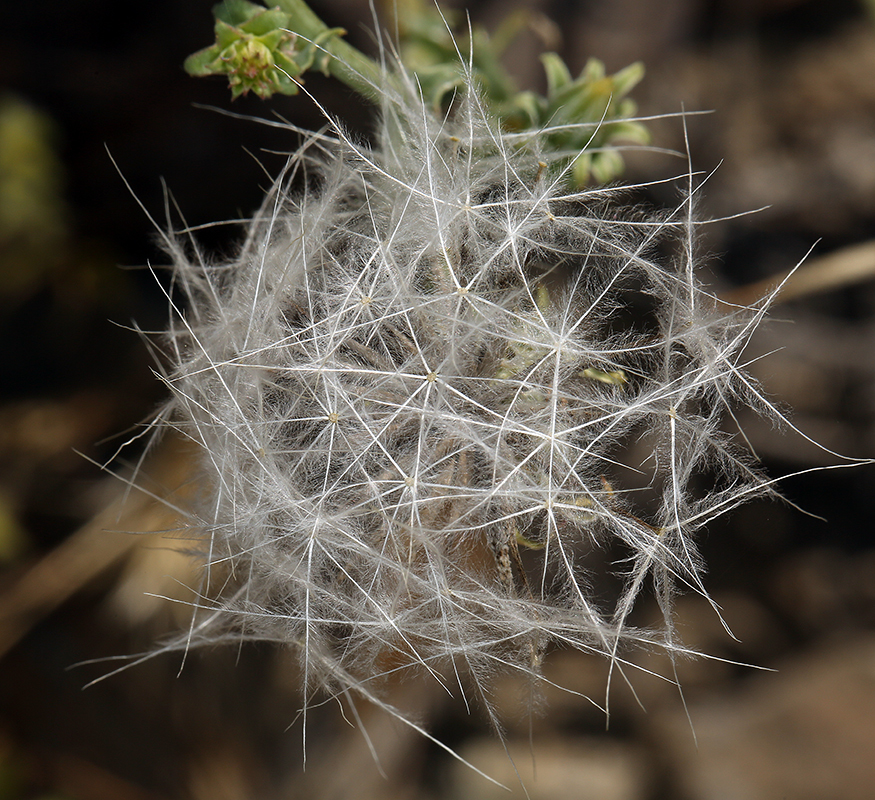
x,y
420,393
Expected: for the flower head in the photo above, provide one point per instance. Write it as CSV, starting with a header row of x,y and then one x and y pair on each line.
x,y
431,385
257,51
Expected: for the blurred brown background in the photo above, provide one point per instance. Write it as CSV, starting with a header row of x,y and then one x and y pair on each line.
x,y
792,89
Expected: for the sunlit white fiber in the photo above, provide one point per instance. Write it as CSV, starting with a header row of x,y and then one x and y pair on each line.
x,y
434,382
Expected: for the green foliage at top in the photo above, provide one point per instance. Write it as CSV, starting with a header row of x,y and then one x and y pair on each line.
x,y
268,50
259,50
592,97
435,52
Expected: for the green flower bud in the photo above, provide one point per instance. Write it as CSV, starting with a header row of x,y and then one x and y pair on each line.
x,y
257,50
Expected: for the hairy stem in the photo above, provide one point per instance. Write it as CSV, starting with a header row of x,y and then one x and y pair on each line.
x,y
346,63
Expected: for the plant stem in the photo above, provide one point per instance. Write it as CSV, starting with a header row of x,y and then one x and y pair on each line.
x,y
346,63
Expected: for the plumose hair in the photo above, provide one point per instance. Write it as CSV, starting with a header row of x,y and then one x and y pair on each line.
x,y
433,384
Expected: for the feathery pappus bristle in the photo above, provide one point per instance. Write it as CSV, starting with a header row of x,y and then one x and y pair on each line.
x,y
421,392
